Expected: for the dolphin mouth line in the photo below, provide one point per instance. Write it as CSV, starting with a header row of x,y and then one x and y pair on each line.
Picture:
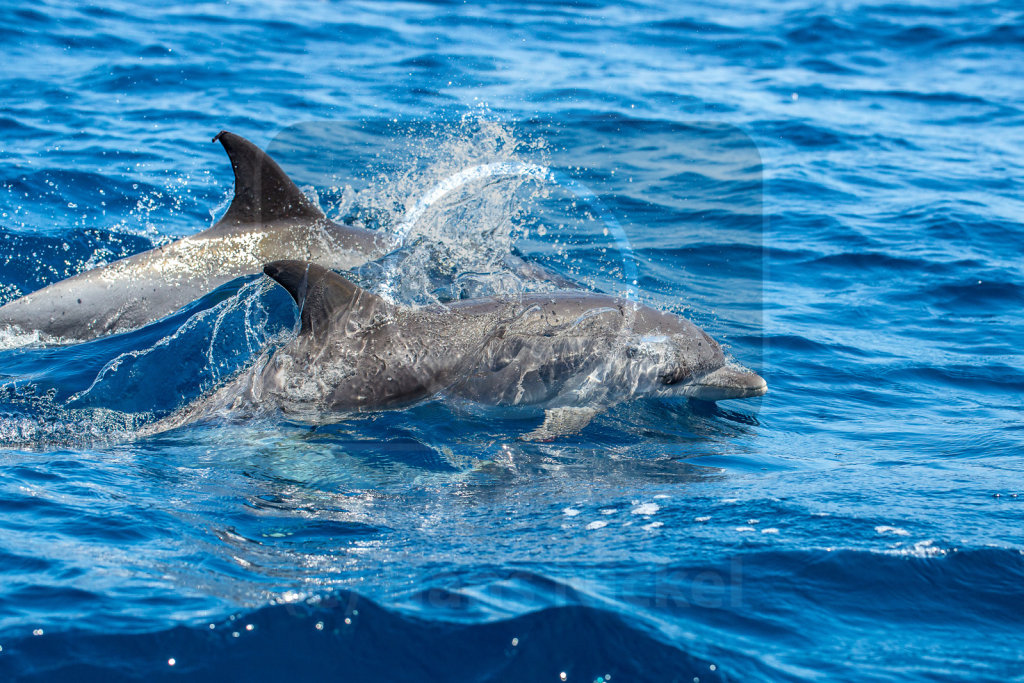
x,y
727,383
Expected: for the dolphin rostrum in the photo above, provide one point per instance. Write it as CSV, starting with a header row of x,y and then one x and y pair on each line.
x,y
269,218
569,353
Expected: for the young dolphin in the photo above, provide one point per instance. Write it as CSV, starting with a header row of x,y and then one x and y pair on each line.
x,y
568,353
269,218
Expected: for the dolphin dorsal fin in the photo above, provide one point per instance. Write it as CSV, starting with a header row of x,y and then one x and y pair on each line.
x,y
263,192
322,294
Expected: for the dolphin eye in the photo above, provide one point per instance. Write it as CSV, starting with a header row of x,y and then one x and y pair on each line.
x,y
674,376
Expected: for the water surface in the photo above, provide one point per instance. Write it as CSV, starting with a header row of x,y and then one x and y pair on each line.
x,y
833,192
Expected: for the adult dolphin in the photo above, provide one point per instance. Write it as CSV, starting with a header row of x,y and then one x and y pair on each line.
x,y
269,218
568,354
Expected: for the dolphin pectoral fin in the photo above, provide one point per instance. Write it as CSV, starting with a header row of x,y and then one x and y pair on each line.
x,y
263,192
561,422
321,294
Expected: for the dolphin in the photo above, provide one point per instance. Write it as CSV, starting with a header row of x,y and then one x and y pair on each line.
x,y
269,218
569,353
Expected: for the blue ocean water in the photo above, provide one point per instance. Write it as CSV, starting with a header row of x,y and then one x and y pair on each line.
x,y
833,191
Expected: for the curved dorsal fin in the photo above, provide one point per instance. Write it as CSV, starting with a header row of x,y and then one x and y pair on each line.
x,y
321,294
263,192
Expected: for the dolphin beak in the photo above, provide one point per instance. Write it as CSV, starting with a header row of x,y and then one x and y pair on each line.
x,y
727,382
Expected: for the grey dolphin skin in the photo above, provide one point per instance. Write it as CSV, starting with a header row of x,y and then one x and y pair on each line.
x,y
269,218
569,353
